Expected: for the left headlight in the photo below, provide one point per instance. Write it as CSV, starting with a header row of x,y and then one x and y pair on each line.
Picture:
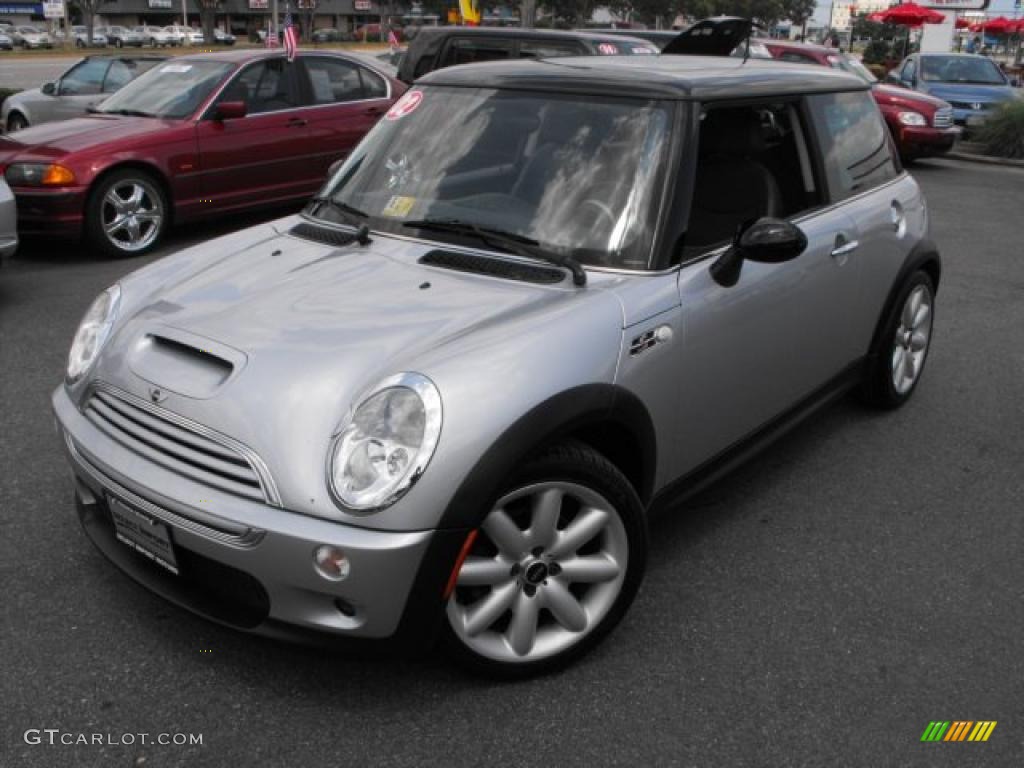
x,y
385,443
912,118
92,333
38,175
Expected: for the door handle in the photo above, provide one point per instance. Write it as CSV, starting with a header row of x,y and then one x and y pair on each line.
x,y
296,122
844,247
374,111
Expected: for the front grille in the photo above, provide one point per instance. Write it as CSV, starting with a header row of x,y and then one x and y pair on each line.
x,y
179,445
943,117
969,105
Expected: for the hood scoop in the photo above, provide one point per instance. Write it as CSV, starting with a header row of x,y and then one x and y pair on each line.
x,y
184,363
492,266
326,235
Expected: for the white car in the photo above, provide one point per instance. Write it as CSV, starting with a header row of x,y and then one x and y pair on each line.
x,y
154,36
80,35
6,43
175,34
33,37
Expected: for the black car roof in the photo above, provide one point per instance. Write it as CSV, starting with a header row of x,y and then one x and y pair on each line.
x,y
651,77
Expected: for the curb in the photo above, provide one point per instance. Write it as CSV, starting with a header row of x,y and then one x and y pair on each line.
x,y
970,157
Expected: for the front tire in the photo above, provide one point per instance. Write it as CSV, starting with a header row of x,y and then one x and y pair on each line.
x,y
902,348
555,565
127,214
16,122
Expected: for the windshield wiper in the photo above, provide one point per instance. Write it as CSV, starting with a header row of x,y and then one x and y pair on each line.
x,y
508,241
125,112
363,231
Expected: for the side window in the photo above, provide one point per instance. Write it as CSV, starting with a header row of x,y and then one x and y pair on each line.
x,y
752,161
122,72
374,86
909,70
544,49
854,141
798,58
266,86
463,50
333,81
85,79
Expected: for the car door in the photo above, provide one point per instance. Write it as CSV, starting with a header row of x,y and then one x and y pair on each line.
x,y
262,157
343,100
78,89
755,349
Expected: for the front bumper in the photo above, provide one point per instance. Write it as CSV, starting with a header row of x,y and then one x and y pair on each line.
x,y
56,212
925,140
249,565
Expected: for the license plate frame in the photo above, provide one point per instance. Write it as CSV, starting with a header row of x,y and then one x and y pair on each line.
x,y
143,533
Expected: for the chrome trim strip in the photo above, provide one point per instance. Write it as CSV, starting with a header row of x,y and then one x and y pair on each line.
x,y
250,538
267,484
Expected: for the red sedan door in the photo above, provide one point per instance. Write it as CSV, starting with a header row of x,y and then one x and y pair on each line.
x,y
263,157
344,100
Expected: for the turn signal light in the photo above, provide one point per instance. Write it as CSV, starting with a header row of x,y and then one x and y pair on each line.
x,y
57,174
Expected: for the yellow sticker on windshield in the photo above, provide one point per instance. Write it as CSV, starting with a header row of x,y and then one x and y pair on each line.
x,y
399,206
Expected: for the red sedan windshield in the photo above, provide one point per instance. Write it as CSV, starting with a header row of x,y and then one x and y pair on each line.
x,y
174,89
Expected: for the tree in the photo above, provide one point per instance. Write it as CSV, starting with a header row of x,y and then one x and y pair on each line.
x,y
88,9
307,10
208,17
799,12
528,13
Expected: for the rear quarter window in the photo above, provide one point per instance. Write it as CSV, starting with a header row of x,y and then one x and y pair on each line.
x,y
855,145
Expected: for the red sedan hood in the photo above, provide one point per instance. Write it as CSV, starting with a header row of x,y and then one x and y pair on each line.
x,y
52,140
891,94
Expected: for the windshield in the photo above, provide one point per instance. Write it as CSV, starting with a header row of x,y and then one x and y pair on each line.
x,y
175,89
853,66
960,69
578,175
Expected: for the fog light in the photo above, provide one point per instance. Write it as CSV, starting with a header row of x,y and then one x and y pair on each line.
x,y
331,563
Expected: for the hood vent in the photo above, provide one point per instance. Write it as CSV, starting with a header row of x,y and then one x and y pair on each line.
x,y
318,234
494,267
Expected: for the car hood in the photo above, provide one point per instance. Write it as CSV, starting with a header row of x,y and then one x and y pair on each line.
x,y
892,94
716,36
968,92
49,140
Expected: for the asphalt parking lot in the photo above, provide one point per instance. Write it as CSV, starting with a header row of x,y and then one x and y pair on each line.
x,y
817,608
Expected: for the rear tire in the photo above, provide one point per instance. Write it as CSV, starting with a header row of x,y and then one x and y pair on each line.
x,y
553,569
16,122
898,360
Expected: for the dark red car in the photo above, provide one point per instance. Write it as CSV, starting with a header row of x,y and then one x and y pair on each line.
x,y
196,137
921,125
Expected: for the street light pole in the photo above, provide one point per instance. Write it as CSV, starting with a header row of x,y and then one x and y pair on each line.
x,y
274,30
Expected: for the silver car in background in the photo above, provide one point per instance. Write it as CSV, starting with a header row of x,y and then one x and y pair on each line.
x,y
155,36
8,220
6,43
540,300
85,84
34,37
80,35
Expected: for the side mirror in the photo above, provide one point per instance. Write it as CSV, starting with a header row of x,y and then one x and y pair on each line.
x,y
230,110
1015,82
767,240
49,89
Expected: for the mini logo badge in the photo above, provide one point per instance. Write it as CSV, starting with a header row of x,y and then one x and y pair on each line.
x,y
157,395
976,106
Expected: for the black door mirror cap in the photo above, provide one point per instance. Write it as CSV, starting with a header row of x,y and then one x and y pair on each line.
x,y
771,241
49,89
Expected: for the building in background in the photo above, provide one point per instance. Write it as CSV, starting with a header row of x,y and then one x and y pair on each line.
x,y
842,13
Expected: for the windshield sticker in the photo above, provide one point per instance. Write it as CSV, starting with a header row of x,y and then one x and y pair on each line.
x,y
642,51
405,105
608,49
176,68
398,206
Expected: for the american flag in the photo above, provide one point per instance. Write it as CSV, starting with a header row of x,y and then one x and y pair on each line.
x,y
291,37
271,35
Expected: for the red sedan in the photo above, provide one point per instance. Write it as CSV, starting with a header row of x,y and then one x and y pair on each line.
x,y
196,137
921,125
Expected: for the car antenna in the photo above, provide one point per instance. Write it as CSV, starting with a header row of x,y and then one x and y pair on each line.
x,y
746,47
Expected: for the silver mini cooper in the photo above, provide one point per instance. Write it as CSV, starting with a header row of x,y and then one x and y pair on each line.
x,y
539,300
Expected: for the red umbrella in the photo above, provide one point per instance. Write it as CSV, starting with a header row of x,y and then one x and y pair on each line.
x,y
998,26
909,15
962,23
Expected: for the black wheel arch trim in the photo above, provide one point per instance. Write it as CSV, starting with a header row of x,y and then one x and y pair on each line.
x,y
924,255
589,405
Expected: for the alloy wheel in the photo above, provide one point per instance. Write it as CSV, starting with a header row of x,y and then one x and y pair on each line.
x,y
131,215
910,344
546,567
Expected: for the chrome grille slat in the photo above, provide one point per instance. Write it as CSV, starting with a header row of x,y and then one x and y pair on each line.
x,y
943,117
242,474
169,430
178,444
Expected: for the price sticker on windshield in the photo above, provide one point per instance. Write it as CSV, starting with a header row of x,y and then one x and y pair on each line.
x,y
405,105
608,49
176,68
398,206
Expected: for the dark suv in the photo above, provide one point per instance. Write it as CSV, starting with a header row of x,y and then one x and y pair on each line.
x,y
438,47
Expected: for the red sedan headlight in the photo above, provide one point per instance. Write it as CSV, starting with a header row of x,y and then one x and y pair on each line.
x,y
38,175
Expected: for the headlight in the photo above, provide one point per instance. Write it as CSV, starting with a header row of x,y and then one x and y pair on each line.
x,y
912,118
38,175
92,333
385,443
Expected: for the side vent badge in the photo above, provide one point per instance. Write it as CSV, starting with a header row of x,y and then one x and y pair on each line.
x,y
648,339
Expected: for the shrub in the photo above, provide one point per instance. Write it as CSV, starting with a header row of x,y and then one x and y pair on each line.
x,y
1003,132
878,70
876,52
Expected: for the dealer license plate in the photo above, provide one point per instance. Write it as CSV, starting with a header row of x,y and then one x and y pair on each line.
x,y
147,536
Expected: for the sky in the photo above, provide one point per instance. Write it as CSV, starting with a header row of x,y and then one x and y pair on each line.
x,y
995,8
